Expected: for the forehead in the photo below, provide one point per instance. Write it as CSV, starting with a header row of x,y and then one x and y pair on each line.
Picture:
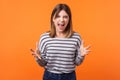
x,y
62,12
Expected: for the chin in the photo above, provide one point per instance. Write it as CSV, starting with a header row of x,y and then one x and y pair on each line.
x,y
61,30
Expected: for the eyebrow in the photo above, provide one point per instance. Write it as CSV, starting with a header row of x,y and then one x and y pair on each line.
x,y
64,15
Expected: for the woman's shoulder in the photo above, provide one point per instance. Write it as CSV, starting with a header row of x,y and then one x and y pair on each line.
x,y
76,34
45,34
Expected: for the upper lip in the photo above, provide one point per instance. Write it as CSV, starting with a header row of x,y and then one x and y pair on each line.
x,y
61,24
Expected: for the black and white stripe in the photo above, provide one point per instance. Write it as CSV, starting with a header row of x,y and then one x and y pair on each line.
x,y
60,53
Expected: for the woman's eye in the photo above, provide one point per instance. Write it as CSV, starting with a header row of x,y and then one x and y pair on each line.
x,y
57,16
65,16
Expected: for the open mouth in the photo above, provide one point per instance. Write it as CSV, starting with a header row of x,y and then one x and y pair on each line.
x,y
61,24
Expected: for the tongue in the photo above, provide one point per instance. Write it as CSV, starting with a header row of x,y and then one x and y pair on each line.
x,y
61,26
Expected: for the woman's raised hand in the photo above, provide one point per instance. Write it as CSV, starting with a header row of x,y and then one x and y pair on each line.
x,y
36,52
84,50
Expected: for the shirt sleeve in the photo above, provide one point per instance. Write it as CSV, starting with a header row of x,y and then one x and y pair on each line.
x,y
78,59
42,48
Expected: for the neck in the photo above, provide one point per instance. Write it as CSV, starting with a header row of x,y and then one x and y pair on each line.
x,y
60,35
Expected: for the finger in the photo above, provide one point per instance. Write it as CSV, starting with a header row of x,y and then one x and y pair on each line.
x,y
33,54
88,51
82,42
36,55
38,52
32,50
37,45
87,47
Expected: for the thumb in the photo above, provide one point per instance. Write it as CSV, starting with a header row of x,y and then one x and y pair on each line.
x,y
82,42
37,46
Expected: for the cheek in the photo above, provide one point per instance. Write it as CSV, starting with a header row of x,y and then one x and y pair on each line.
x,y
55,21
67,21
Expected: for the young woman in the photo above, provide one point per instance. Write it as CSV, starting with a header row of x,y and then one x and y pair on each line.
x,y
60,49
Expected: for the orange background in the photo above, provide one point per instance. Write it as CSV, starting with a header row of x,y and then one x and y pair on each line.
x,y
22,22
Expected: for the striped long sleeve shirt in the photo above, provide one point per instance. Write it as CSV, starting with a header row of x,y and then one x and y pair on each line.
x,y
60,55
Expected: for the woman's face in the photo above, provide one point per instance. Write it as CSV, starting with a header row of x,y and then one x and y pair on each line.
x,y
61,21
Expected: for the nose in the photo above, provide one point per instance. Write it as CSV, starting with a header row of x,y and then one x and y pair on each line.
x,y
61,19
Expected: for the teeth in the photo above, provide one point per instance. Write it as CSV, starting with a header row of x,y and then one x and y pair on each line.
x,y
60,24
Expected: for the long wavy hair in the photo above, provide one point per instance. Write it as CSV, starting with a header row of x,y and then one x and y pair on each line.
x,y
68,30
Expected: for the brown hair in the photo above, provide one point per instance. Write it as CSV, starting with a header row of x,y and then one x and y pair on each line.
x,y
68,31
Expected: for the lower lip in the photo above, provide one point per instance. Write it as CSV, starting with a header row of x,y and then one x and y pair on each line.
x,y
61,27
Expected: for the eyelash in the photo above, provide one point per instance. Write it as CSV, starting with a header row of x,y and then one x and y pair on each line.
x,y
63,16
